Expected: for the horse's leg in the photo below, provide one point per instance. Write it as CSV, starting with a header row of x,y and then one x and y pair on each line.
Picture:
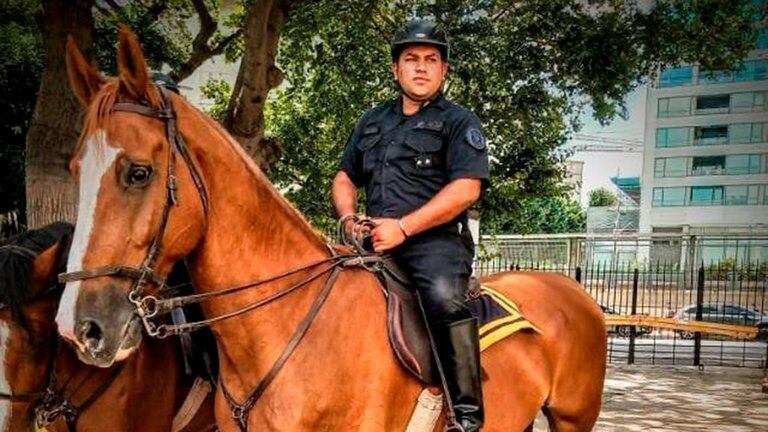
x,y
577,386
518,382
561,423
573,338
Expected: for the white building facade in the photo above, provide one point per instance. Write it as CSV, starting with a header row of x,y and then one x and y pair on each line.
x,y
705,164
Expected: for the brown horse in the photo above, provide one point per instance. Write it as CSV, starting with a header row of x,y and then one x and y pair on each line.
x,y
217,209
144,393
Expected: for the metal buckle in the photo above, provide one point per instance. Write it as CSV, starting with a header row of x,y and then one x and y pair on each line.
x,y
148,307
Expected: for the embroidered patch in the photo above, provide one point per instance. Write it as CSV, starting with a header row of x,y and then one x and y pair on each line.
x,y
436,126
475,138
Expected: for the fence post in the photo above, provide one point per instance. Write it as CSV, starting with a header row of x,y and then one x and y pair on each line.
x,y
633,329
699,301
578,274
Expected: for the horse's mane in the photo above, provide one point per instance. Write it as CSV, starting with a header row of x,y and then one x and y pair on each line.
x,y
291,210
18,254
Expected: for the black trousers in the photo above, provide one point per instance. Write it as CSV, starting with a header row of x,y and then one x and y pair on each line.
x,y
439,264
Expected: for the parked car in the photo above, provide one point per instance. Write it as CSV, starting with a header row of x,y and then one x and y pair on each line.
x,y
623,330
720,312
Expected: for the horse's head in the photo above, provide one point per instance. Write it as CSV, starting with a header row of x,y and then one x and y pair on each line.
x,y
29,265
139,210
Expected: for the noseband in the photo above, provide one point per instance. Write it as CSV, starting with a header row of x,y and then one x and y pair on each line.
x,y
149,306
147,273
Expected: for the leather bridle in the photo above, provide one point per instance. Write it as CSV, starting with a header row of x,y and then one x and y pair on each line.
x,y
146,272
149,307
50,401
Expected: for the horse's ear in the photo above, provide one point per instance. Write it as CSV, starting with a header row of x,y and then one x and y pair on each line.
x,y
83,77
134,74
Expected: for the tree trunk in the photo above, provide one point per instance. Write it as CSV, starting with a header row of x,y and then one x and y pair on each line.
x,y
56,121
258,75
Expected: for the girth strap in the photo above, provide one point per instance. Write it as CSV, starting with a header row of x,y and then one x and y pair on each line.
x,y
240,411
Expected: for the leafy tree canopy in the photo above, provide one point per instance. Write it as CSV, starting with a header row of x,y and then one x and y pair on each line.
x,y
602,197
526,68
21,61
168,42
540,215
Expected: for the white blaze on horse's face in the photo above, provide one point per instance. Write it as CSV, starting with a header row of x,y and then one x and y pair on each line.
x,y
5,406
98,158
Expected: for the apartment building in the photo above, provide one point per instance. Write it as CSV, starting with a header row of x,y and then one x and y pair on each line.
x,y
705,164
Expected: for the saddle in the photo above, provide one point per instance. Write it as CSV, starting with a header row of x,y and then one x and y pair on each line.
x,y
406,328
499,317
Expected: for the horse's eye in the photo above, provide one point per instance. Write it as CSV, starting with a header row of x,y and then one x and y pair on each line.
x,y
139,175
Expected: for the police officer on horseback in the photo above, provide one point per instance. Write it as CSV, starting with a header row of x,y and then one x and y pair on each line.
x,y
423,161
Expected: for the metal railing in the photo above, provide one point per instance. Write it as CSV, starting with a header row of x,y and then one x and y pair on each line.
x,y
728,291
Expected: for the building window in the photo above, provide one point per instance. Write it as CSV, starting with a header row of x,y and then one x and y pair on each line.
x,y
670,167
742,164
715,77
753,70
714,104
762,39
706,195
707,165
745,133
674,107
711,135
681,76
741,195
673,137
748,102
669,197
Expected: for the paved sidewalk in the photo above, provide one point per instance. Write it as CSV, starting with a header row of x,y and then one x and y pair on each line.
x,y
681,399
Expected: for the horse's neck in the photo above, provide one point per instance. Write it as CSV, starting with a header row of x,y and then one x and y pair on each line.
x,y
123,391
252,233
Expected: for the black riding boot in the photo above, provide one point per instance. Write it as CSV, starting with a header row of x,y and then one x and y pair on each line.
x,y
459,350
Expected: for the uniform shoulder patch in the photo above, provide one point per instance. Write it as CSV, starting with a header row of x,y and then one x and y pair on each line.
x,y
475,138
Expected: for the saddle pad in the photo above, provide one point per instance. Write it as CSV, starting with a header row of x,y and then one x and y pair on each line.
x,y
499,317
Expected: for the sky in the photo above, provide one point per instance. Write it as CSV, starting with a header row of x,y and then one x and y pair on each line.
x,y
599,167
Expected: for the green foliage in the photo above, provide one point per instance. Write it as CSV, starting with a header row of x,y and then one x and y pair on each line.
x,y
602,197
729,269
218,91
162,30
21,61
526,68
534,215
162,27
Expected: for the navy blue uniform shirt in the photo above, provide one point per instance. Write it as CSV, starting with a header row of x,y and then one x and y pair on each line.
x,y
403,161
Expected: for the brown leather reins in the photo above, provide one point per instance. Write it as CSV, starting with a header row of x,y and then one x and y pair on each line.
x,y
150,306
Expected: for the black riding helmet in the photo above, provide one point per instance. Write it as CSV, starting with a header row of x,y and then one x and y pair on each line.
x,y
420,32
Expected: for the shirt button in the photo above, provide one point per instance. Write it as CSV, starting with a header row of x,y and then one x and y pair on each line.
x,y
386,163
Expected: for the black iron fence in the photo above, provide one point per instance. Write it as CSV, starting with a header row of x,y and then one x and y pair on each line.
x,y
719,292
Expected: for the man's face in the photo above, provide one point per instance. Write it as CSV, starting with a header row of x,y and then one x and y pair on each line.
x,y
420,70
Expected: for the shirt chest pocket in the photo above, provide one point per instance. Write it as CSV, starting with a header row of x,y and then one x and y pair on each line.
x,y
423,150
369,148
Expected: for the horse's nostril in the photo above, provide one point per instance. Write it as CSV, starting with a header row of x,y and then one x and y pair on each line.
x,y
91,336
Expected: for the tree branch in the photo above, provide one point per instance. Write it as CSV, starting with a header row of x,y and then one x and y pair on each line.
x,y
113,5
222,45
201,54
